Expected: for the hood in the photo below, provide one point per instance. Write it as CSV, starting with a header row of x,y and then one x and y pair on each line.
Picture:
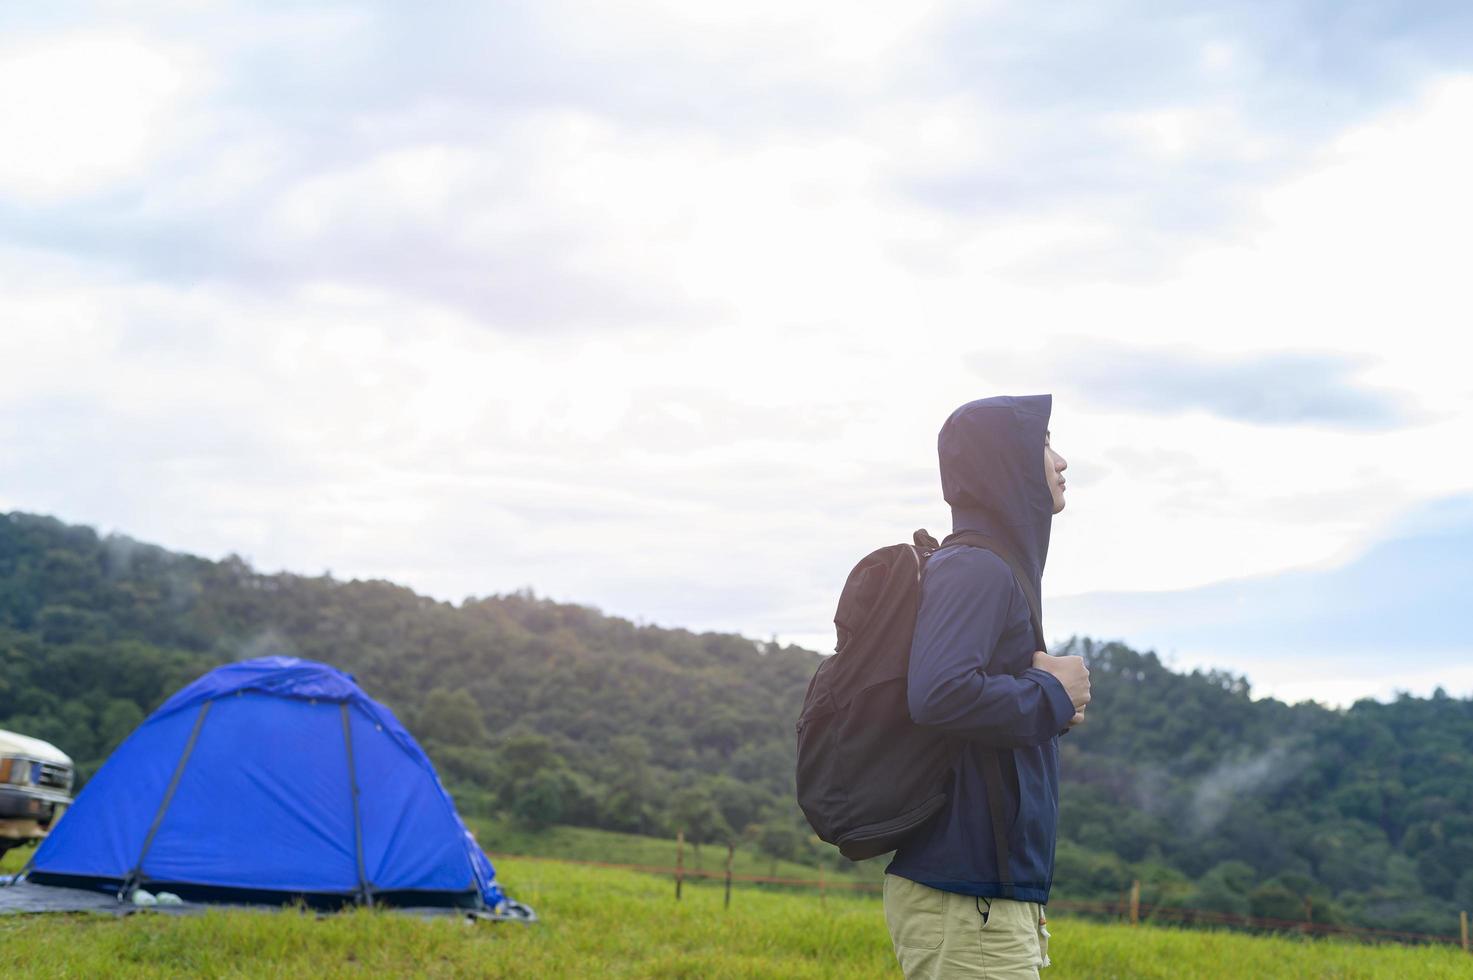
x,y
992,474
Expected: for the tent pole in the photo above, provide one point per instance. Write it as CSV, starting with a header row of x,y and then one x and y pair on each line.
x,y
365,894
135,877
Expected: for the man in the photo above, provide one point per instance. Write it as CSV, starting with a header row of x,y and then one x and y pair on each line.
x,y
974,672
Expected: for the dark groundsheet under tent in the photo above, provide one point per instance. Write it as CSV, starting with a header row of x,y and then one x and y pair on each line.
x,y
268,782
20,897
27,897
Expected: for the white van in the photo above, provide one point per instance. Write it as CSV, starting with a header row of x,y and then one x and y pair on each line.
x,y
35,788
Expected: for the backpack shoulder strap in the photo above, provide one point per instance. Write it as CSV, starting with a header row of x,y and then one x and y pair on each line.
x,y
979,540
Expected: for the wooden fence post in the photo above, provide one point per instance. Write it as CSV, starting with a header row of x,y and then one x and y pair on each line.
x,y
1463,921
679,861
1135,902
730,850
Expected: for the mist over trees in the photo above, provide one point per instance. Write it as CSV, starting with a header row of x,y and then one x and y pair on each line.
x,y
547,713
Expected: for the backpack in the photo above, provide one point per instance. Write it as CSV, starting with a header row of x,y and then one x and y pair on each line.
x,y
867,775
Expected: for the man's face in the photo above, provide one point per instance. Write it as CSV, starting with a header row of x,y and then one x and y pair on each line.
x,y
1054,466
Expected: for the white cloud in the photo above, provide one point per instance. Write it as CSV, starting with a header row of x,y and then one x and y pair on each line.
x,y
83,112
419,183
849,45
1180,133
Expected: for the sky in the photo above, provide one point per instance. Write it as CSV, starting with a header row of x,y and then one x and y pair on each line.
x,y
658,307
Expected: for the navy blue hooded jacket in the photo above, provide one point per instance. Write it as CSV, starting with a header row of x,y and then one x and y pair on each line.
x,y
971,657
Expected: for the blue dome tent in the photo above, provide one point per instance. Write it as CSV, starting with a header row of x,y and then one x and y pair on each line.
x,y
272,779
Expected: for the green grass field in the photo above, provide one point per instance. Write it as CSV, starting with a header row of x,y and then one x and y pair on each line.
x,y
602,922
587,844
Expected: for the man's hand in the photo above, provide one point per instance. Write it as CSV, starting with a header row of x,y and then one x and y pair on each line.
x,y
1073,674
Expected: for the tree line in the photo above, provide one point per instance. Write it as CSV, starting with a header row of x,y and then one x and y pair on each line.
x,y
553,713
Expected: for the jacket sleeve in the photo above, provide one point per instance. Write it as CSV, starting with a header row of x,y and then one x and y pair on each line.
x,y
966,605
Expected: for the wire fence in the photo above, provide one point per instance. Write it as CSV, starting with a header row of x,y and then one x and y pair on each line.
x,y
1122,909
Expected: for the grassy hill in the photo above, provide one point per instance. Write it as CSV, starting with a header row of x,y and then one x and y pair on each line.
x,y
601,922
539,714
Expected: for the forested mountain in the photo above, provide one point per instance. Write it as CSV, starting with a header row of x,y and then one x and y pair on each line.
x,y
555,713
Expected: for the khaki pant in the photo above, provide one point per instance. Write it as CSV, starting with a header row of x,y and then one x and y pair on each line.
x,y
941,935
